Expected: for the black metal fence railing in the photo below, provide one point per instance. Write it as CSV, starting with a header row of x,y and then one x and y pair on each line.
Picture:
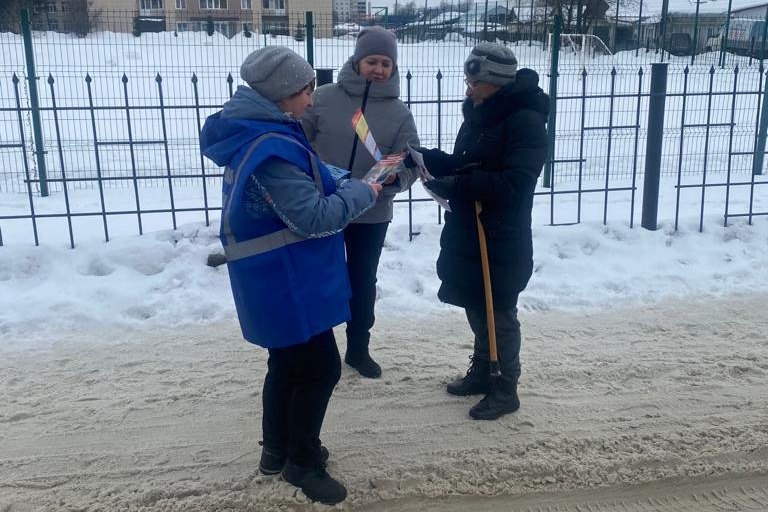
x,y
128,140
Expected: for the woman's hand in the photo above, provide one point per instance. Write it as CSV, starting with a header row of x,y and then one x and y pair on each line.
x,y
390,179
376,188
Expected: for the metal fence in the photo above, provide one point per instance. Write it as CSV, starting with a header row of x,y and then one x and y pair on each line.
x,y
112,115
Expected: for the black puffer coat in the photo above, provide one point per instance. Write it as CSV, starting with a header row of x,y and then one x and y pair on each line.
x,y
506,136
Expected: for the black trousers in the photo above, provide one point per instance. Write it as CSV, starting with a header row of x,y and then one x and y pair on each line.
x,y
299,383
364,243
508,339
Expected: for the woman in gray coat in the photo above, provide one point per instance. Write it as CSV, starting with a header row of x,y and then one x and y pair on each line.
x,y
328,125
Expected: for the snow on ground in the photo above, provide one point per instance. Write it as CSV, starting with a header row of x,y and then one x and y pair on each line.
x,y
642,408
160,279
126,385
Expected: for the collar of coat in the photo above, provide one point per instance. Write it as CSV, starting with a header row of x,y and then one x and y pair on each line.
x,y
523,93
354,84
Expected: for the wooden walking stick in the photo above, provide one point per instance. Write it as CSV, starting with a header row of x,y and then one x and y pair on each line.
x,y
494,362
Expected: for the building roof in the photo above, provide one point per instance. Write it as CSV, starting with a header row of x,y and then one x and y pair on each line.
x,y
652,8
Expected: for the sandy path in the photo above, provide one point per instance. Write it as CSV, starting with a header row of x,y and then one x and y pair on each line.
x,y
621,410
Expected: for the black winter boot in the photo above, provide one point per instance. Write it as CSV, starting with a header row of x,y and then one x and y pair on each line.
x,y
272,461
477,381
363,363
500,401
315,482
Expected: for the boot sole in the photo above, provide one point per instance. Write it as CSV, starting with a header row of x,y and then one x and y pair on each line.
x,y
479,392
269,472
367,375
316,499
494,417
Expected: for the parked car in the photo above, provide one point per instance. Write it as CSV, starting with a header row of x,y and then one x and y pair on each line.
x,y
679,43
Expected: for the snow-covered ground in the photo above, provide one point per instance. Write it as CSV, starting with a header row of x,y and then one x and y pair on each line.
x,y
106,58
125,383
127,387
160,279
646,408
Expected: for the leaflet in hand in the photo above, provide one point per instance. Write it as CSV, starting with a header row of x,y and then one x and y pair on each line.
x,y
384,168
424,176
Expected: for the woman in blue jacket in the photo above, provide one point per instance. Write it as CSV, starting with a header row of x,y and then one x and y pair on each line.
x,y
281,227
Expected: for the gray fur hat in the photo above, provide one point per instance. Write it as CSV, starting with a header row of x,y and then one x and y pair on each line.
x,y
491,63
375,40
276,72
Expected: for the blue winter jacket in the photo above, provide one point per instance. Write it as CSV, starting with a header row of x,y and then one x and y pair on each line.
x,y
282,216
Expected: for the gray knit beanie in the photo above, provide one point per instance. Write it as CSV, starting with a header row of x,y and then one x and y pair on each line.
x,y
276,72
375,41
491,63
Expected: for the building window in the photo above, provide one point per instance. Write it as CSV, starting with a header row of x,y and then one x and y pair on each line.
x,y
181,4
223,27
65,7
53,25
52,7
246,5
279,28
182,26
265,4
149,5
213,4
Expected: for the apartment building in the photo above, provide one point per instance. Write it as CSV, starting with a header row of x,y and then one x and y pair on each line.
x,y
345,10
228,17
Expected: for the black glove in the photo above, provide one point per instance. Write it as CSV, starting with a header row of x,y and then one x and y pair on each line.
x,y
443,187
408,161
438,163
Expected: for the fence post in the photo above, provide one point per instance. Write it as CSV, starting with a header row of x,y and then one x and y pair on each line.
x,y
757,161
549,168
34,100
654,143
724,35
695,45
310,38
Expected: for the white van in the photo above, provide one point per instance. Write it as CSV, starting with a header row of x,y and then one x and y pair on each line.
x,y
745,37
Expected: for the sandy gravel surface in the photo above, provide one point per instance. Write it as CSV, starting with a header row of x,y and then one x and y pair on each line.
x,y
653,408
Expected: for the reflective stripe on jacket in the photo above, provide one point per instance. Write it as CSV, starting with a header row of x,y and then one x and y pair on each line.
x,y
286,288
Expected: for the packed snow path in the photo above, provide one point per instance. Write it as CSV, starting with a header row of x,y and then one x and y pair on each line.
x,y
631,409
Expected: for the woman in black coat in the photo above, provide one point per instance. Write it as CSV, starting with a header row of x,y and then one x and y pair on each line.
x,y
500,150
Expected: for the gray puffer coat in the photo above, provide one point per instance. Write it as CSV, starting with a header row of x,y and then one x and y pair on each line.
x,y
328,125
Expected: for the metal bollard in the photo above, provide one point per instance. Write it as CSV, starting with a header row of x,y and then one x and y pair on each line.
x,y
654,145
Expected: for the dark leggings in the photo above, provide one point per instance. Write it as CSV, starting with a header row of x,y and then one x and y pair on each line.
x,y
363,243
299,383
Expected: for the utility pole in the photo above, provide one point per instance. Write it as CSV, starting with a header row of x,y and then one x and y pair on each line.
x,y
663,27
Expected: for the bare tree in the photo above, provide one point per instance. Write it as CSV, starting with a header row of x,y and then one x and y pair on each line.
x,y
580,16
83,17
11,13
408,9
458,5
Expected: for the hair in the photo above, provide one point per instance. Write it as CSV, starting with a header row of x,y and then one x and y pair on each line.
x,y
310,86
